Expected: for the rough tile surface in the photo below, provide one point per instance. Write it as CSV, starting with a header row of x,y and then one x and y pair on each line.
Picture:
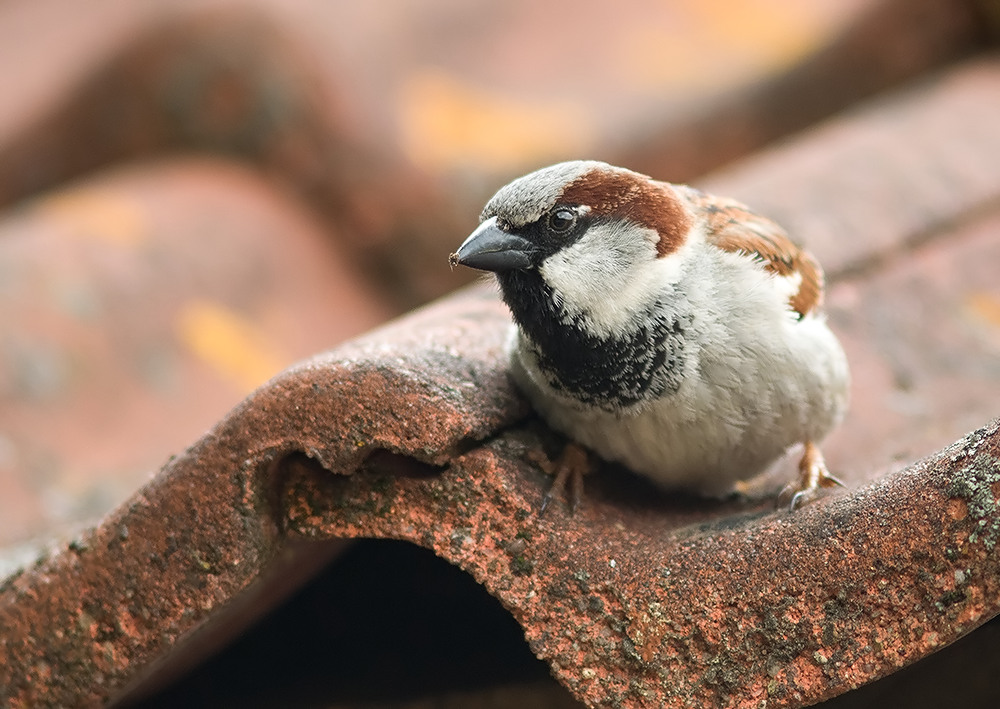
x,y
414,432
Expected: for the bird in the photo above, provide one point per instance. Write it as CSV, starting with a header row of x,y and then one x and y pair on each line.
x,y
672,331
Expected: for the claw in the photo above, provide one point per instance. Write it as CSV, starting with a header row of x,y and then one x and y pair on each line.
x,y
571,466
546,500
813,475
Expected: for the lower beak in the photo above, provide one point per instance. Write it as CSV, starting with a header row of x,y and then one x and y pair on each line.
x,y
490,248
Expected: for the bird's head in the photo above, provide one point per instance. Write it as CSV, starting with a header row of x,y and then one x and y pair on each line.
x,y
592,237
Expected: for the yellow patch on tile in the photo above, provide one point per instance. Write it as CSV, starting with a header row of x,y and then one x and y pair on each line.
x,y
985,306
716,44
230,343
445,124
98,215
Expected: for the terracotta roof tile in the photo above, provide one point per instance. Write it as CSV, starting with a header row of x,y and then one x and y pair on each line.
x,y
413,432
636,596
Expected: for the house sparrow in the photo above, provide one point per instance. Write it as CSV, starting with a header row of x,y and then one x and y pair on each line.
x,y
664,328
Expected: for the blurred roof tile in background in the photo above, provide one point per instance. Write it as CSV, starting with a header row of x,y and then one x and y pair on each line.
x,y
326,158
136,308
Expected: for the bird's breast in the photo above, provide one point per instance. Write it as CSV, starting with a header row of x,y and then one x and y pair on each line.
x,y
612,372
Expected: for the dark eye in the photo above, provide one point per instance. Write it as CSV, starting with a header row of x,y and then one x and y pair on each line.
x,y
562,220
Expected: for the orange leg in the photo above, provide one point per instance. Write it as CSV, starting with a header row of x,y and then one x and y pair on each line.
x,y
813,475
571,466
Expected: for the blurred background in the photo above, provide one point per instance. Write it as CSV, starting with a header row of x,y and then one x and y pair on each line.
x,y
196,194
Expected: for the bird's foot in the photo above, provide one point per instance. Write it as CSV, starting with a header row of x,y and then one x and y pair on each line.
x,y
813,475
570,467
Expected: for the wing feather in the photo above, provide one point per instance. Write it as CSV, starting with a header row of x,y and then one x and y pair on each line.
x,y
732,226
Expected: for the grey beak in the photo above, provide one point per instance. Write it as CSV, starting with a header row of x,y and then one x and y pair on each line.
x,y
490,248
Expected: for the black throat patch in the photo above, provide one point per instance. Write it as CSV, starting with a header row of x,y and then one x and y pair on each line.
x,y
612,372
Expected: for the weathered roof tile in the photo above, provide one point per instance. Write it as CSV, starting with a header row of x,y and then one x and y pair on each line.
x,y
414,432
637,596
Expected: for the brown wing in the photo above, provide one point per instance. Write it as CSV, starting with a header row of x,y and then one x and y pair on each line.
x,y
731,226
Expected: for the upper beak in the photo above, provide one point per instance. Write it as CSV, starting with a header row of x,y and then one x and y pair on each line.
x,y
490,248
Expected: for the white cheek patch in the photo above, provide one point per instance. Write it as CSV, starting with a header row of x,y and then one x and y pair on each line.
x,y
609,275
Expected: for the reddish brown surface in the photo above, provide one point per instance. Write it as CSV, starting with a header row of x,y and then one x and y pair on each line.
x,y
395,120
329,99
640,599
136,308
716,604
635,603
885,177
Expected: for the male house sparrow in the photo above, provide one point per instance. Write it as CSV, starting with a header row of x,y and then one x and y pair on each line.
x,y
670,330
